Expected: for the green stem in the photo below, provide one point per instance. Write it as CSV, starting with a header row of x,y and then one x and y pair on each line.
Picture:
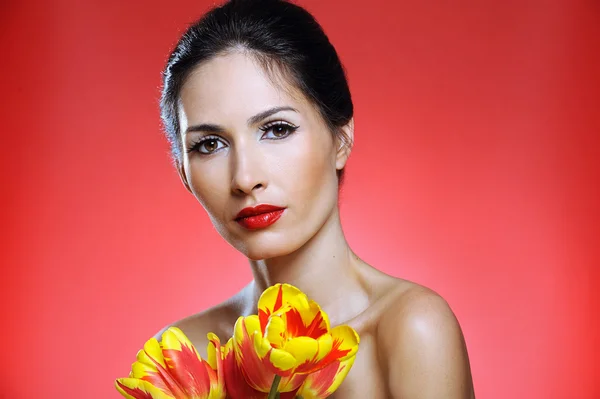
x,y
274,386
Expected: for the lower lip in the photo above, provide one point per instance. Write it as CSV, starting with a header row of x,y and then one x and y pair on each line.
x,y
260,221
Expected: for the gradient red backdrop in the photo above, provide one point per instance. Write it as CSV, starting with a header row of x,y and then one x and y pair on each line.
x,y
475,172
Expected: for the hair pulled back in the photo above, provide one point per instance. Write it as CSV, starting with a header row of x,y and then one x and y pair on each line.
x,y
277,33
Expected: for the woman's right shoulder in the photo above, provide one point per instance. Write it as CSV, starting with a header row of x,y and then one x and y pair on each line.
x,y
218,319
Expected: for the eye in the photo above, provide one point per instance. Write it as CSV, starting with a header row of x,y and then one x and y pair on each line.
x,y
207,145
278,130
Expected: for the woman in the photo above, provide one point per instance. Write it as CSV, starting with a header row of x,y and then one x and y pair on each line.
x,y
258,112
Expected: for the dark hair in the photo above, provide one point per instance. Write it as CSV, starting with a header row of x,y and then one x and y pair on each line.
x,y
277,33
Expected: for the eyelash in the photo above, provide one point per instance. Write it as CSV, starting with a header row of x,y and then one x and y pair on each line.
x,y
266,128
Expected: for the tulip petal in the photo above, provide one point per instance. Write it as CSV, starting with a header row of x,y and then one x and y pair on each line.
x,y
134,388
149,359
212,349
291,384
274,297
262,346
275,331
321,384
304,349
309,321
281,362
235,382
255,369
345,342
150,366
185,365
309,352
215,361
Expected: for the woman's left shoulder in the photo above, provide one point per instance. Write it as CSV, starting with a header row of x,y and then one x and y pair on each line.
x,y
424,342
411,305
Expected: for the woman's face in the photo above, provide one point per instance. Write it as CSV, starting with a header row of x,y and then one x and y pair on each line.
x,y
249,141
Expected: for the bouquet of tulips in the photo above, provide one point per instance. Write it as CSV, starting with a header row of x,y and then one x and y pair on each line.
x,y
287,351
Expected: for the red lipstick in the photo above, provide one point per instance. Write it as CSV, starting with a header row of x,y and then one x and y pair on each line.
x,y
259,217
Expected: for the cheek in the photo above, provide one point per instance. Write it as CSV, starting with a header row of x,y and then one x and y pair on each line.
x,y
209,184
310,167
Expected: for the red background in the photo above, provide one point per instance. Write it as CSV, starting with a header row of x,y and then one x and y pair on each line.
x,y
475,172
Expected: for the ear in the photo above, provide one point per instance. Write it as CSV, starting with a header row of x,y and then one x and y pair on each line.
x,y
182,175
344,145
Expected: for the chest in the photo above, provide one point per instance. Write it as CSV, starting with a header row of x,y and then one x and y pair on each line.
x,y
368,377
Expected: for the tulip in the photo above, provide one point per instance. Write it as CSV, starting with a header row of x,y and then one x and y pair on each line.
x,y
235,381
321,384
289,339
173,369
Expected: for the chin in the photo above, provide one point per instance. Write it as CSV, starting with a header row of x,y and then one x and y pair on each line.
x,y
267,244
262,252
266,248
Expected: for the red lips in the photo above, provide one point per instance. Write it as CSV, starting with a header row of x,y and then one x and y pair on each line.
x,y
259,217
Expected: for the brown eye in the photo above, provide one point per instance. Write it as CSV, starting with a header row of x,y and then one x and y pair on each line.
x,y
207,145
210,145
278,131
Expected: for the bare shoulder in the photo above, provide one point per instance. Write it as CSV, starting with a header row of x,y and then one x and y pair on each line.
x,y
411,304
218,319
426,355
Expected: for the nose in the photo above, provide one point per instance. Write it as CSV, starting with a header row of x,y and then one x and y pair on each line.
x,y
248,171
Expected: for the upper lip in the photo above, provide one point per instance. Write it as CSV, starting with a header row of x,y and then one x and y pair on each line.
x,y
257,210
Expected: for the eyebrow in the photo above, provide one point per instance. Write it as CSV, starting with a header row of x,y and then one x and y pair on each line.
x,y
212,128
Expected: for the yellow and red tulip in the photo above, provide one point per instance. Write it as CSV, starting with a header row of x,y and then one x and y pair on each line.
x,y
173,369
235,381
289,345
290,337
322,383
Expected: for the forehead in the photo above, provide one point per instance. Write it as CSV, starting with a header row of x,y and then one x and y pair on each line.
x,y
233,87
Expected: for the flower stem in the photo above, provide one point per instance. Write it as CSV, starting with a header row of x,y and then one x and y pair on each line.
x,y
274,386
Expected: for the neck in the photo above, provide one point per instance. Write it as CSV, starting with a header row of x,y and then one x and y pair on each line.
x,y
325,268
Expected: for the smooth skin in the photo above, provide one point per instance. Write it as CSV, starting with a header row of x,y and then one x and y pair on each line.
x,y
250,137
